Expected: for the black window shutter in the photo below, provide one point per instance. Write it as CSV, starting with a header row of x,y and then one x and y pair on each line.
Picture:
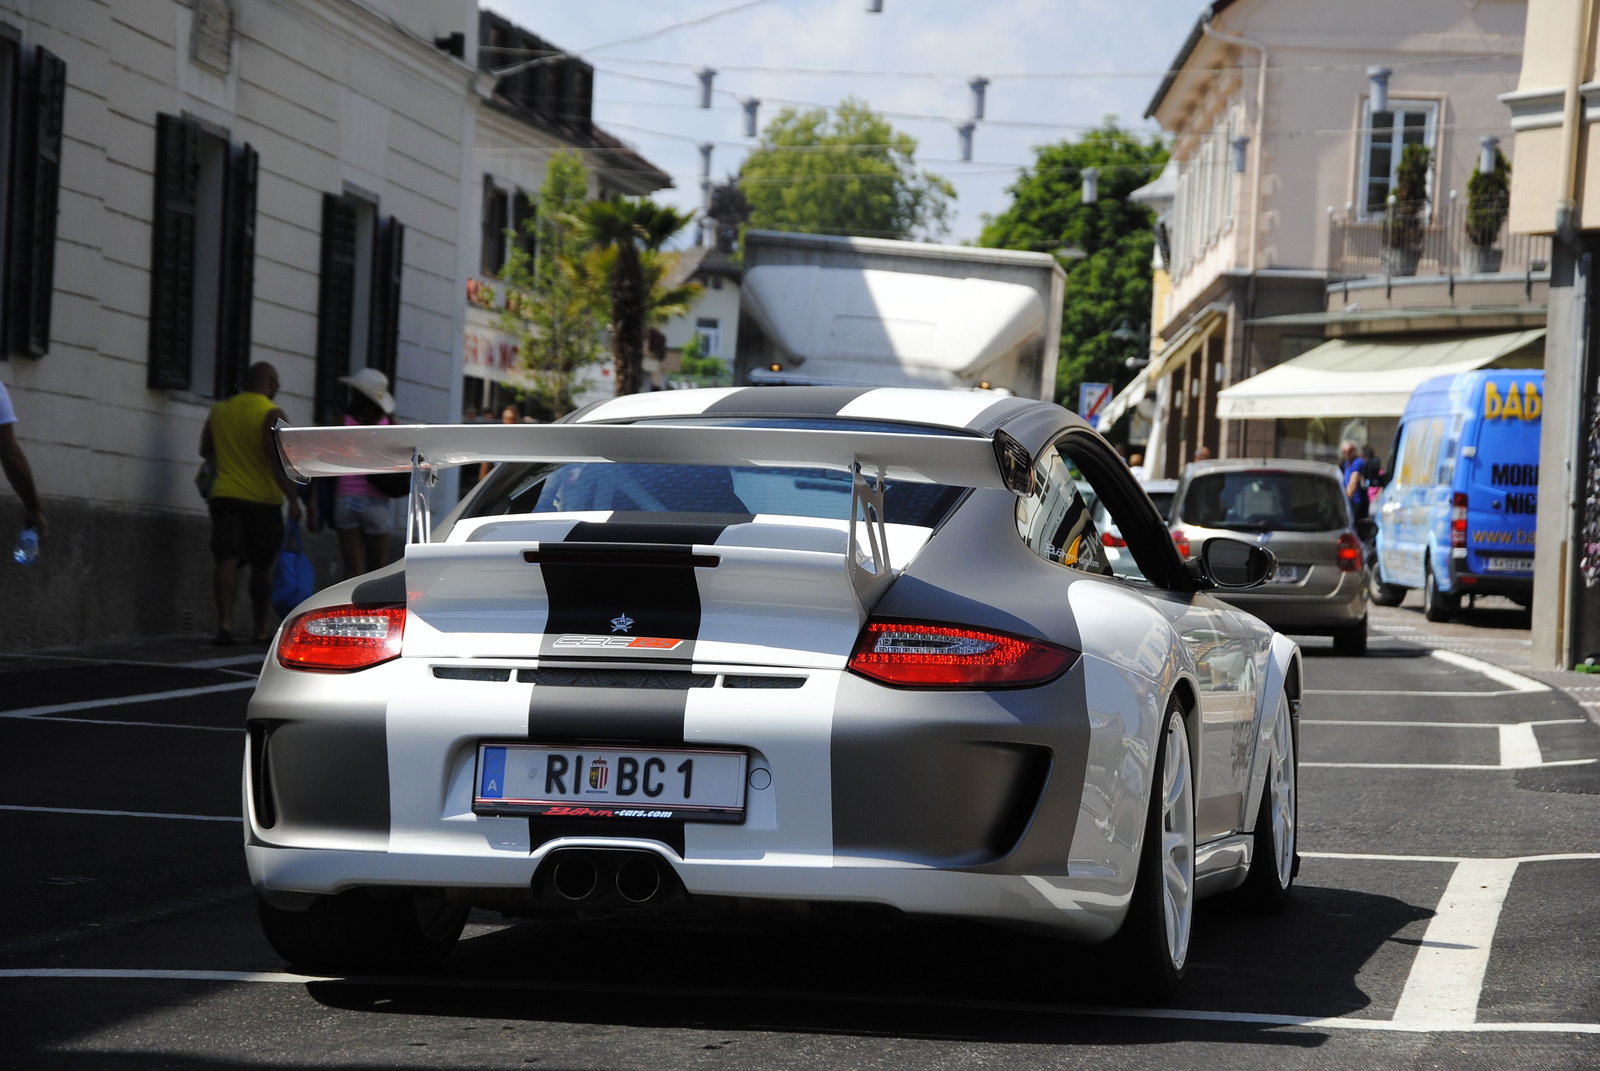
x,y
335,297
522,213
172,254
42,159
388,265
239,270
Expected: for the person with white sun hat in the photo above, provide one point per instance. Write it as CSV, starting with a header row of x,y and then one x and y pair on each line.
x,y
361,513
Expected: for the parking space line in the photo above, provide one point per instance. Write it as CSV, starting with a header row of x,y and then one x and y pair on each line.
x,y
123,700
138,724
1442,724
885,1000
1446,977
122,814
1442,765
1519,748
1557,857
1435,695
1515,681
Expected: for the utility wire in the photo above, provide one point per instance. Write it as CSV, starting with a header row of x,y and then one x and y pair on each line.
x,y
633,39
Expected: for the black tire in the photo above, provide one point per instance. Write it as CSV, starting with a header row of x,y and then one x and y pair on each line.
x,y
1385,594
1436,605
356,931
1272,864
1141,948
1352,641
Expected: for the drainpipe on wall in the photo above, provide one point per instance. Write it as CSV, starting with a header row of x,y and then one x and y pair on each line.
x,y
1567,226
1255,173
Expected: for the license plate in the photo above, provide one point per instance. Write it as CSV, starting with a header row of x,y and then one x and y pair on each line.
x,y
1508,565
695,784
1288,574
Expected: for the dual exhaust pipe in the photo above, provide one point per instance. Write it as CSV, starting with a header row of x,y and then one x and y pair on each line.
x,y
607,877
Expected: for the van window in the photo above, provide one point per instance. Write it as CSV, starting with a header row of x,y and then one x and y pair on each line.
x,y
1445,474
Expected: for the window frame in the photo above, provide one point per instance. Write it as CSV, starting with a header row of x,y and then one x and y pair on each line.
x,y
1431,107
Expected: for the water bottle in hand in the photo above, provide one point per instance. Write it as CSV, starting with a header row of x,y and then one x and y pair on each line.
x,y
27,551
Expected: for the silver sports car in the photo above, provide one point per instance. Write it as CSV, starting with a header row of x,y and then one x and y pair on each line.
x,y
770,649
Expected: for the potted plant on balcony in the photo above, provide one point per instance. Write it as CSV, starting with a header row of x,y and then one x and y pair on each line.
x,y
1408,203
1488,200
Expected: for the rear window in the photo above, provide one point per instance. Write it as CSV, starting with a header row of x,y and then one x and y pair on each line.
x,y
701,489
1266,502
1162,501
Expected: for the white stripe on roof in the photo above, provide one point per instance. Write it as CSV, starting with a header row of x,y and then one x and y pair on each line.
x,y
944,408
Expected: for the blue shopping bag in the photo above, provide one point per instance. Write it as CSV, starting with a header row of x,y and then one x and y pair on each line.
x,y
294,578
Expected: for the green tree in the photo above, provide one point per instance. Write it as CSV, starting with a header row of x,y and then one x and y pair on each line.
x,y
623,232
550,301
1047,213
856,175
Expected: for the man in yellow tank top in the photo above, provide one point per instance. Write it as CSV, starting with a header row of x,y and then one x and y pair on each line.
x,y
247,497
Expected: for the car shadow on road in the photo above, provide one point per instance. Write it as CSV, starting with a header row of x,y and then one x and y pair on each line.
x,y
901,978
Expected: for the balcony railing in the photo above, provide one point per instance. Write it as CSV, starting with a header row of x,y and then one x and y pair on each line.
x,y
1435,240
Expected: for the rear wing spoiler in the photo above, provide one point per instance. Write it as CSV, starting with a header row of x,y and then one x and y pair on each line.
x,y
423,449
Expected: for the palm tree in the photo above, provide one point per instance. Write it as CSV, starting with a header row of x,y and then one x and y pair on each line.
x,y
626,231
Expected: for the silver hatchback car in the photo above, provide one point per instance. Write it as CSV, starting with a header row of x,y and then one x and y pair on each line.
x,y
1297,510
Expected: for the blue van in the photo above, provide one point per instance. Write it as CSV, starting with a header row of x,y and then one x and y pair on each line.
x,y
1458,514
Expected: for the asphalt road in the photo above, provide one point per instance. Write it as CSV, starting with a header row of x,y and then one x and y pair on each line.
x,y
1446,912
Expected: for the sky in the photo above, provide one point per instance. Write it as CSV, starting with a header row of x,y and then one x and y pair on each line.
x,y
912,61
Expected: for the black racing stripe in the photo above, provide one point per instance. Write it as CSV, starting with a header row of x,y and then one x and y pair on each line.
x,y
786,401
645,716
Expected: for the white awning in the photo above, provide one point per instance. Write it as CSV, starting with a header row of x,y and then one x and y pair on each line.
x,y
1350,378
1126,398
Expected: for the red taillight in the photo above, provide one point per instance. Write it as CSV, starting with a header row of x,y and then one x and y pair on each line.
x,y
1349,553
917,655
1110,539
1181,541
1458,520
343,637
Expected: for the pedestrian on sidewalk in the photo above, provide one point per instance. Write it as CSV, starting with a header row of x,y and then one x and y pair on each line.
x,y
247,497
15,463
1354,466
361,513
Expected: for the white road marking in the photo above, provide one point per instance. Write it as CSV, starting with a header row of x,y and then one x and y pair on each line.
x,y
123,700
139,724
1557,857
1177,1014
122,814
1443,724
1515,681
1436,695
1519,748
1446,978
1440,765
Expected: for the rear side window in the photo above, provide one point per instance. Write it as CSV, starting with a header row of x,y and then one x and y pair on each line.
x,y
1266,502
1057,520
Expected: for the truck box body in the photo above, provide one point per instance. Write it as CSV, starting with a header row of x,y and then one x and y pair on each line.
x,y
818,309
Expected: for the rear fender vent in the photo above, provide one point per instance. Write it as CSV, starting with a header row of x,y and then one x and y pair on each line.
x,y
472,673
261,775
736,681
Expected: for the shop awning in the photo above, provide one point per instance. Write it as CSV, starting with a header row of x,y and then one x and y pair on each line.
x,y
1126,398
1182,345
1348,378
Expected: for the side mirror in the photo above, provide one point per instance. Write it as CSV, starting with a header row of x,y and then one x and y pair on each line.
x,y
1367,529
1234,565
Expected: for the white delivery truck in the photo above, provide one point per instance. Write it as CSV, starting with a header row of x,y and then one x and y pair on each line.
x,y
816,309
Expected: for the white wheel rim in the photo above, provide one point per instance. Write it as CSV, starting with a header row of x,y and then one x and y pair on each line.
x,y
1177,842
1283,801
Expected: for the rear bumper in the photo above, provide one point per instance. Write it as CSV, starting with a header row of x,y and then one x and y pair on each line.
x,y
1082,908
1513,585
1289,611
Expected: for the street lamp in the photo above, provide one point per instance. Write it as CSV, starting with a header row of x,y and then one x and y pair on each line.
x,y
1124,331
1091,185
965,130
705,74
1379,77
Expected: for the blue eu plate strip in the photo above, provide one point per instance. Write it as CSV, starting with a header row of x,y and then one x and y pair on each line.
x,y
492,781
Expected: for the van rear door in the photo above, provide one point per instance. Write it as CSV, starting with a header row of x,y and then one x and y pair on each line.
x,y
1499,472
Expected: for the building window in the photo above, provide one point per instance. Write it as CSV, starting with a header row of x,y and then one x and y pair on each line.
x,y
202,264
496,213
32,97
1408,122
358,304
710,333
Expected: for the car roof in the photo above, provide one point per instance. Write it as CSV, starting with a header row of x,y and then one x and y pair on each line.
x,y
1158,486
1260,464
979,412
